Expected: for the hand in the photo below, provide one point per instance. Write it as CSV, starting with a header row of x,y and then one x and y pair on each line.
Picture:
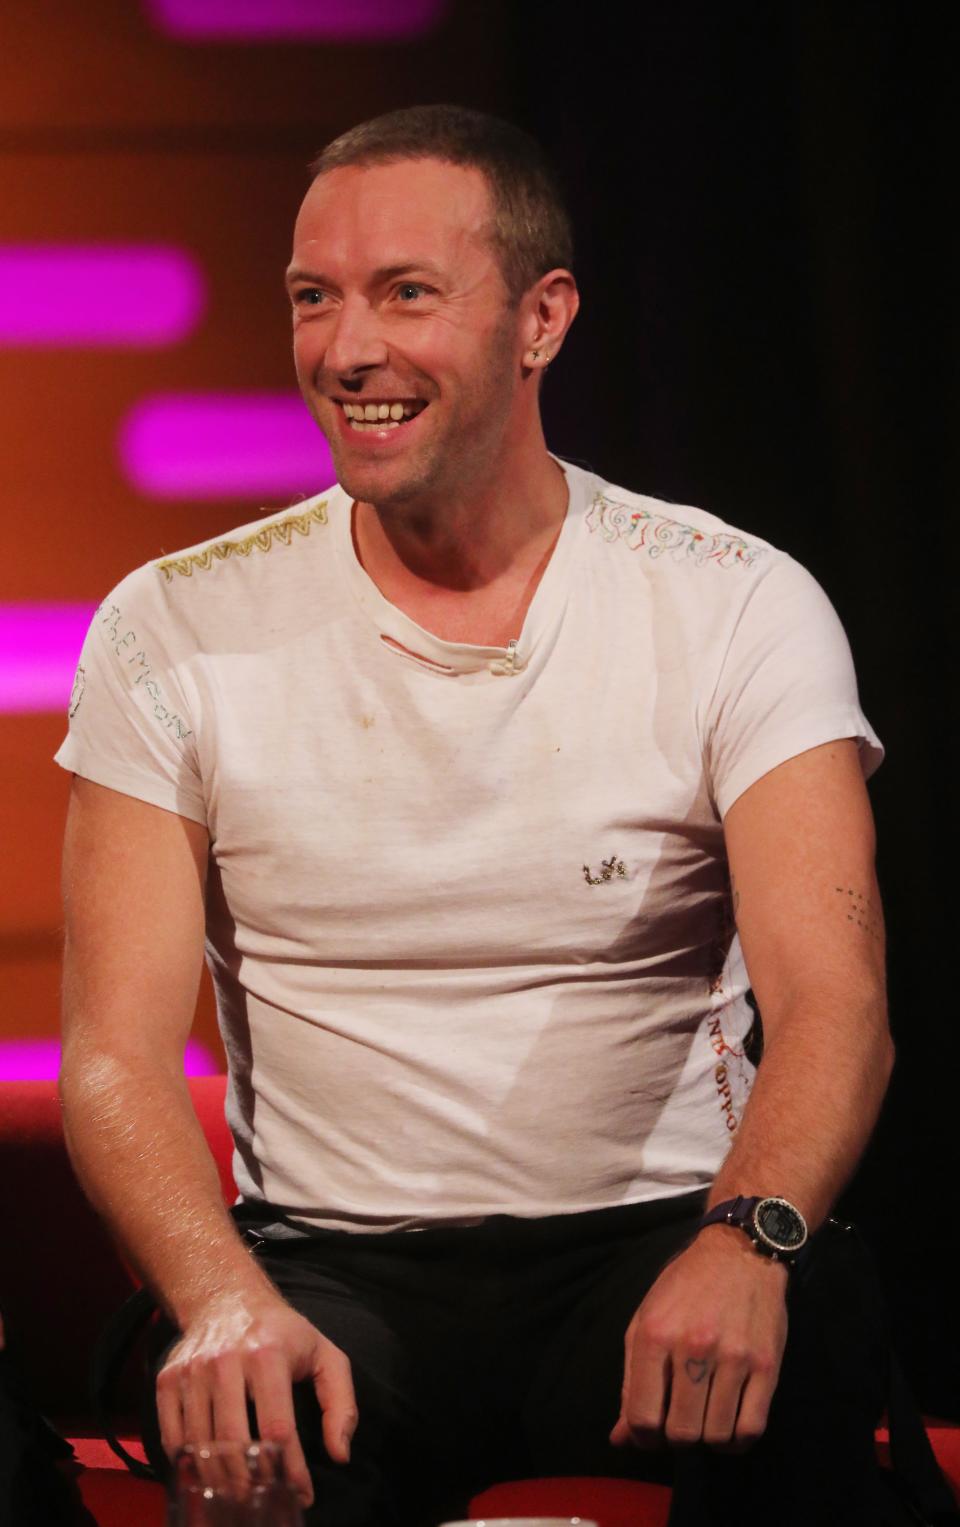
x,y
258,1348
703,1351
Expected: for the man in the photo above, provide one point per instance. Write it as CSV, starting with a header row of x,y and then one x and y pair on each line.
x,y
464,769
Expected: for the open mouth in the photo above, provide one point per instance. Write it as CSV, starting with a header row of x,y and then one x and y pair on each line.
x,y
382,414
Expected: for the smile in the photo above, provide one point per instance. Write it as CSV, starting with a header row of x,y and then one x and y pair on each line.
x,y
381,415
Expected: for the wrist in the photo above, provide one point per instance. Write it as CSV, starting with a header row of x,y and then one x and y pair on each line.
x,y
239,1283
772,1227
726,1242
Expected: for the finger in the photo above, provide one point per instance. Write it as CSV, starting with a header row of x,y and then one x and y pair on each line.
x,y
272,1393
621,1430
229,1400
235,1469
689,1389
645,1400
195,1403
169,1414
754,1408
333,1383
723,1404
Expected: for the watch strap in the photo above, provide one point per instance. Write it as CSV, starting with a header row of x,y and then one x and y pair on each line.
x,y
740,1212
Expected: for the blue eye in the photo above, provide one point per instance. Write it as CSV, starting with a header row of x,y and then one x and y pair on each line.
x,y
410,290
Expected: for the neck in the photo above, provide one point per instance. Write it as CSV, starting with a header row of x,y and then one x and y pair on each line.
x,y
472,538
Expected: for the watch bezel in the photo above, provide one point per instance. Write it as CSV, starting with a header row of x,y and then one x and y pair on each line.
x,y
766,1240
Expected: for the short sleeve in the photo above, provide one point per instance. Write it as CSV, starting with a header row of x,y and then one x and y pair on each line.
x,y
786,684
130,721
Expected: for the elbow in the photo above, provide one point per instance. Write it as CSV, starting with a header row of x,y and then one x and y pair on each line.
x,y
887,1058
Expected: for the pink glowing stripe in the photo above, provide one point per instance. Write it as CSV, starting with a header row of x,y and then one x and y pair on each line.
x,y
39,647
38,1060
209,446
280,20
88,294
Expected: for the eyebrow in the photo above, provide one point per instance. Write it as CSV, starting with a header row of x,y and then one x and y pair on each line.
x,y
384,273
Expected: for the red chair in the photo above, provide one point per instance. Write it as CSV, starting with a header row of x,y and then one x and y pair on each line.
x,y
61,1277
608,1502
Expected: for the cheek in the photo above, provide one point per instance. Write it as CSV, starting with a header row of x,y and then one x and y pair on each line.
x,y
308,351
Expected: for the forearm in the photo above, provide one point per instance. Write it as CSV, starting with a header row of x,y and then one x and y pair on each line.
x,y
142,1158
814,1103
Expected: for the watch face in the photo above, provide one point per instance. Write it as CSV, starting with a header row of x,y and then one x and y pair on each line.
x,y
780,1224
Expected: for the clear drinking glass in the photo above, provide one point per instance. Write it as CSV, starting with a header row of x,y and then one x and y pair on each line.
x,y
525,1521
232,1484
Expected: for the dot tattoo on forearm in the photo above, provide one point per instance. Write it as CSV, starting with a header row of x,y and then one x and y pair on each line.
x,y
860,911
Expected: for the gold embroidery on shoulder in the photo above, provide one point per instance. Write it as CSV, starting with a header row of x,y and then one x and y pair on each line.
x,y
261,540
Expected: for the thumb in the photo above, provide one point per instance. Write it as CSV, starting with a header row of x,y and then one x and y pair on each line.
x,y
333,1383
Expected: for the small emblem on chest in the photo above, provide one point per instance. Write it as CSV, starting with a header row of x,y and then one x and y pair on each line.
x,y
609,868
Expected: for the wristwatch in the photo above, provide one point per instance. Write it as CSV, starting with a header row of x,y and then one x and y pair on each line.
x,y
775,1227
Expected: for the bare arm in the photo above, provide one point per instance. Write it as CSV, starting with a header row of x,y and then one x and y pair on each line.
x,y
134,879
711,1331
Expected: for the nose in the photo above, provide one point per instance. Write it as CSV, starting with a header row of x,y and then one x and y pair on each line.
x,y
356,342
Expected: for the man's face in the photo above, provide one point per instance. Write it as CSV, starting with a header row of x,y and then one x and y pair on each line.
x,y
401,312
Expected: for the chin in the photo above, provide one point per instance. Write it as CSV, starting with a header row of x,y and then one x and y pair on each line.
x,y
382,483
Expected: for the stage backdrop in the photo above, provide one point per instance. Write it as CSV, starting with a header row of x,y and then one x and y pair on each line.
x,y
769,330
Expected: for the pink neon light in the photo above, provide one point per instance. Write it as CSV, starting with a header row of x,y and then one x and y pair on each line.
x,y
210,446
38,1060
85,294
39,647
281,20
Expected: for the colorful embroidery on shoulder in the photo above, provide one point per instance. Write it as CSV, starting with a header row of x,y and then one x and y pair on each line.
x,y
656,534
261,540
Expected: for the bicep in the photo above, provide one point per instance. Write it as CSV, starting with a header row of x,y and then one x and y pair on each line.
x,y
800,843
133,883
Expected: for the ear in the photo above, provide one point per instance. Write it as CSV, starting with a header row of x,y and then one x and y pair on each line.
x,y
549,308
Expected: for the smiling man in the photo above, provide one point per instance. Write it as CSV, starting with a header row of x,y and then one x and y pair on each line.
x,y
493,790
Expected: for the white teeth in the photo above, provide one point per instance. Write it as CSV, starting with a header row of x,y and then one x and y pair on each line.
x,y
381,415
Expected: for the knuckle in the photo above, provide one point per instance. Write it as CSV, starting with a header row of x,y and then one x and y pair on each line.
x,y
717,1436
654,1333
701,1340
640,1420
221,1367
682,1434
276,1429
764,1363
746,1436
735,1355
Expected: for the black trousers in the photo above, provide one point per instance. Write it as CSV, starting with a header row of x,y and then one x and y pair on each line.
x,y
495,1352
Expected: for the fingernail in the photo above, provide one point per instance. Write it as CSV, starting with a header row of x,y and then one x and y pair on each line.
x,y
345,1440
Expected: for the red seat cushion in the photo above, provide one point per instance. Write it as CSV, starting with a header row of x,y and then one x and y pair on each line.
x,y
945,1441
115,1499
608,1502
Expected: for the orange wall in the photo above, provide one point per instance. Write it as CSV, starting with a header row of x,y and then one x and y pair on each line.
x,y
110,132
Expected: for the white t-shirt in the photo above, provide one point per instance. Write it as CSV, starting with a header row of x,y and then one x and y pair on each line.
x,y
468,916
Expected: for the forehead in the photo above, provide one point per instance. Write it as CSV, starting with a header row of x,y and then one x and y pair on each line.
x,y
383,214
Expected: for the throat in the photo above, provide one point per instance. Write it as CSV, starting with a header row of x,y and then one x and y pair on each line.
x,y
487,613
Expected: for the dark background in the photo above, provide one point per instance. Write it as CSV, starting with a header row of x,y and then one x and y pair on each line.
x,y
769,272
762,194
